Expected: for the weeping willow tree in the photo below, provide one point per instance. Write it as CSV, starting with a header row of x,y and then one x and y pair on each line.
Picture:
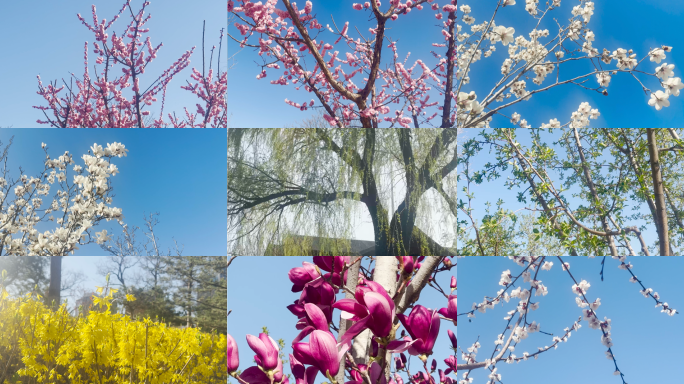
x,y
294,187
594,191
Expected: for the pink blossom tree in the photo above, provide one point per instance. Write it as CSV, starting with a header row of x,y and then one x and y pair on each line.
x,y
353,87
100,102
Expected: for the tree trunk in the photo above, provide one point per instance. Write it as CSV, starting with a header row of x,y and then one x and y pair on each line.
x,y
352,281
386,275
189,323
53,298
661,212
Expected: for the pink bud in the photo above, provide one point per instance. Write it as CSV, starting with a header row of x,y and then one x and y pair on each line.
x,y
233,356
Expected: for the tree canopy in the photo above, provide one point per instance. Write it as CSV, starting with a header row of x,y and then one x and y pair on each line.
x,y
592,191
318,181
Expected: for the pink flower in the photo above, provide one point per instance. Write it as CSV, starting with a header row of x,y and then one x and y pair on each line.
x,y
321,352
372,309
302,376
406,264
450,311
299,276
233,359
254,375
314,319
423,326
451,362
357,6
266,350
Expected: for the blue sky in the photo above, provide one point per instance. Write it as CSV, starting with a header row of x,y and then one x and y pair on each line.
x,y
179,173
639,329
491,191
46,38
632,24
259,292
256,103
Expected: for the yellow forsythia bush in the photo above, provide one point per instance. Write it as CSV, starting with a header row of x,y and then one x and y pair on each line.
x,y
38,345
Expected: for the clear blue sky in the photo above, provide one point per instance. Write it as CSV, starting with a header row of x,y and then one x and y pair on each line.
x,y
256,103
492,191
643,337
179,173
633,24
46,38
259,292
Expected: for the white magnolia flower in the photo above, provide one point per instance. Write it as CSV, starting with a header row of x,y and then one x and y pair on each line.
x,y
659,99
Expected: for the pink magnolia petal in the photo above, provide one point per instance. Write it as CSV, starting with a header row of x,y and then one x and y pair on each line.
x,y
380,312
324,350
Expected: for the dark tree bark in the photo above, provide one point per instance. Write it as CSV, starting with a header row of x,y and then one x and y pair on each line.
x,y
53,298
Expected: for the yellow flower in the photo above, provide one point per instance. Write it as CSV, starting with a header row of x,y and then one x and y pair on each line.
x,y
130,297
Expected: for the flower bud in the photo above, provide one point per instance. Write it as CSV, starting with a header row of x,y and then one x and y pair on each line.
x,y
399,365
452,337
434,365
233,356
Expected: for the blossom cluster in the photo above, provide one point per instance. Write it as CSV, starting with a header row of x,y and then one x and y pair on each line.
x,y
522,328
543,59
372,308
101,346
285,37
100,102
89,194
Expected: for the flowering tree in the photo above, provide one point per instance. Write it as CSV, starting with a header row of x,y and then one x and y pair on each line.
x,y
540,59
89,194
521,326
371,314
581,186
347,85
100,103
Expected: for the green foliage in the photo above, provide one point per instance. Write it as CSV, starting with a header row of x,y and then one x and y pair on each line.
x,y
592,190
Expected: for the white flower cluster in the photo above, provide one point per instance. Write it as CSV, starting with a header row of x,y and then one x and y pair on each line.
x,y
90,205
533,53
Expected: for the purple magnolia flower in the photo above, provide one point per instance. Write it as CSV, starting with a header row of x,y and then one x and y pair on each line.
x,y
254,375
451,362
372,309
452,337
405,264
300,276
233,356
266,350
377,373
313,319
319,293
302,376
423,326
321,352
450,311
327,263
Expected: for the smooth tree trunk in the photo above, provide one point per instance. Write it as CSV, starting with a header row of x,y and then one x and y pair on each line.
x,y
352,282
53,298
386,275
658,192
